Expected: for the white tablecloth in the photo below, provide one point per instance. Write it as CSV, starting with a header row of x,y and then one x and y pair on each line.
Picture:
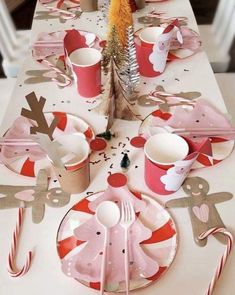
x,y
193,266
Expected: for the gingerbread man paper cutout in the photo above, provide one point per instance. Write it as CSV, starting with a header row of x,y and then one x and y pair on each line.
x,y
36,197
201,207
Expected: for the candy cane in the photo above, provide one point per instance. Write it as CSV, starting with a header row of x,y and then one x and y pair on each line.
x,y
12,269
224,258
64,13
67,82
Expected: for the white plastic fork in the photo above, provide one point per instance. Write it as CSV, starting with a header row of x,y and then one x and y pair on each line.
x,y
127,219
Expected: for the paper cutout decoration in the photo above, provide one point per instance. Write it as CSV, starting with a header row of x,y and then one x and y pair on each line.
x,y
155,19
201,207
29,160
43,130
158,57
62,10
164,99
70,161
35,197
115,103
176,175
36,114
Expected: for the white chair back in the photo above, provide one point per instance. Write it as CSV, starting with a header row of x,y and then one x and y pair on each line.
x,y
12,43
222,24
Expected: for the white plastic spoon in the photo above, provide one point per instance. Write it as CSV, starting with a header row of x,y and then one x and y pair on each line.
x,y
108,215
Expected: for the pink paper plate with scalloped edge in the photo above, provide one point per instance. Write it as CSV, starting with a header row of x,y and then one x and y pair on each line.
x,y
161,245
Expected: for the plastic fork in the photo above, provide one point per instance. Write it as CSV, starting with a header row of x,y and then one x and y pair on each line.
x,y
127,219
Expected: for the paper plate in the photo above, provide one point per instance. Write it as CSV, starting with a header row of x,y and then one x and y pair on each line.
x,y
161,246
56,47
221,148
28,160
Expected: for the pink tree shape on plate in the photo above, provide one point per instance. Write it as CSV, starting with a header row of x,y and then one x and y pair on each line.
x,y
86,264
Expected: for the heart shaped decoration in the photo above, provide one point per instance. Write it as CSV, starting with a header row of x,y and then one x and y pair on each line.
x,y
202,212
26,195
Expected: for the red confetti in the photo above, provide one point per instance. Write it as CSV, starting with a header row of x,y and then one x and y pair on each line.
x,y
138,141
98,144
117,180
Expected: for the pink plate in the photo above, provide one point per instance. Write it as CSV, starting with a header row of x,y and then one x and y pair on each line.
x,y
221,147
76,236
28,160
56,47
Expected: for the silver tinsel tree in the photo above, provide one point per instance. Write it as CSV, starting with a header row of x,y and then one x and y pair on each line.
x,y
129,72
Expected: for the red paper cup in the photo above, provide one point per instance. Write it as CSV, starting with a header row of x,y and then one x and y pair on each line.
x,y
142,55
149,36
161,152
86,66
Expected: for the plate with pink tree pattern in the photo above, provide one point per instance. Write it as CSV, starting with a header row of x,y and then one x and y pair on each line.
x,y
152,248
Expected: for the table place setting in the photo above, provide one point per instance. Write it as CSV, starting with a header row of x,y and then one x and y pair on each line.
x,y
107,130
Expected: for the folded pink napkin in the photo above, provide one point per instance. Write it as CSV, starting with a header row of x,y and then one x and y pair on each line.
x,y
74,40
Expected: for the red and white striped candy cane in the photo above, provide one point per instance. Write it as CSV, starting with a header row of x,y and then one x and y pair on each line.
x,y
65,14
67,81
12,269
224,258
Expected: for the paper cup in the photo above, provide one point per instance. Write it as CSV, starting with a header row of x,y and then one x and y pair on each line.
x,y
149,36
86,66
164,149
89,5
74,177
161,152
142,54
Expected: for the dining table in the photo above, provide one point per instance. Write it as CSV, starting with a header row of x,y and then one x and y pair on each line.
x,y
193,266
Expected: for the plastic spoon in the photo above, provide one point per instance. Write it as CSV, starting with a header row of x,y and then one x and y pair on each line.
x,y
108,215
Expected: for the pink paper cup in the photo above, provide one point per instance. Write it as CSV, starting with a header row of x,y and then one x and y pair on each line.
x,y
149,36
161,152
86,66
